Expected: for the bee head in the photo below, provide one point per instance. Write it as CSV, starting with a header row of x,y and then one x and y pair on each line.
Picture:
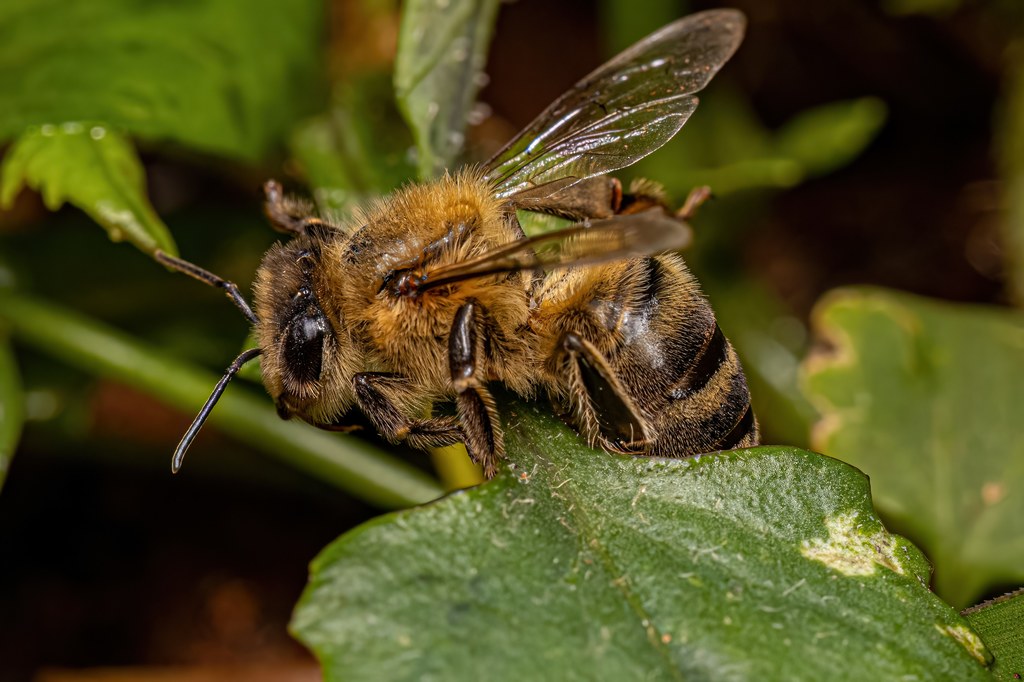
x,y
300,334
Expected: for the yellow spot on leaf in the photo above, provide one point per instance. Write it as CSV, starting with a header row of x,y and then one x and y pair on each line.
x,y
850,551
968,640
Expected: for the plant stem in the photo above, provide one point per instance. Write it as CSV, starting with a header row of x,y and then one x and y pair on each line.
x,y
454,467
358,468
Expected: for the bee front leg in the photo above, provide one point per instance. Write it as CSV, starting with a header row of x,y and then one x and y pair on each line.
x,y
477,411
601,406
379,394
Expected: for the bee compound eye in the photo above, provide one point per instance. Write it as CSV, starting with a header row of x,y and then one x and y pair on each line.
x,y
304,347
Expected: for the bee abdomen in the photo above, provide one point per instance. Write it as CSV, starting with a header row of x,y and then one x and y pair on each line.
x,y
696,398
709,359
712,411
673,370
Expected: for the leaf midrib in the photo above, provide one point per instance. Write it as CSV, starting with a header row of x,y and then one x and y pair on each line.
x,y
585,529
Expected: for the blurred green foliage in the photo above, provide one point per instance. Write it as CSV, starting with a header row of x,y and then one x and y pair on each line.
x,y
442,49
220,77
356,151
359,468
12,409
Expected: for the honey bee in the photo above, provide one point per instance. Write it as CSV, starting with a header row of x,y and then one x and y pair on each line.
x,y
434,292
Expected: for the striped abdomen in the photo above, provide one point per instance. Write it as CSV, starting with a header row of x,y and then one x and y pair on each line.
x,y
645,342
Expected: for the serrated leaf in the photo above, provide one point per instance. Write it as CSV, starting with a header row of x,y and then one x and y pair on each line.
x,y
220,76
998,622
442,47
92,167
925,398
12,412
765,564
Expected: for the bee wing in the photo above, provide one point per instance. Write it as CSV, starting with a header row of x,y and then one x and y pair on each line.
x,y
588,243
624,110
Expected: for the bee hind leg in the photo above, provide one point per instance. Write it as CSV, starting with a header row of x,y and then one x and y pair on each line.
x,y
602,196
477,411
603,411
379,395
286,214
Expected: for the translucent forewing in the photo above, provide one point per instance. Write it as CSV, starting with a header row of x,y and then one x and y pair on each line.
x,y
597,241
624,110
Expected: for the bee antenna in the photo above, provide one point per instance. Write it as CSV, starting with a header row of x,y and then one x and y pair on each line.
x,y
218,390
207,277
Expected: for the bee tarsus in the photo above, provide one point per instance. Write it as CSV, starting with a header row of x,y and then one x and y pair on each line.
x,y
477,410
380,395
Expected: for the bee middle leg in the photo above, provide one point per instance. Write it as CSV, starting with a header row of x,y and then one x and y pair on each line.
x,y
477,411
379,395
602,408
340,428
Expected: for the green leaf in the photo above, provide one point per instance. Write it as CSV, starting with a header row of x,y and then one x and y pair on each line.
x,y
219,76
442,47
358,150
12,409
925,398
358,467
723,145
764,564
828,137
998,622
622,25
92,167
